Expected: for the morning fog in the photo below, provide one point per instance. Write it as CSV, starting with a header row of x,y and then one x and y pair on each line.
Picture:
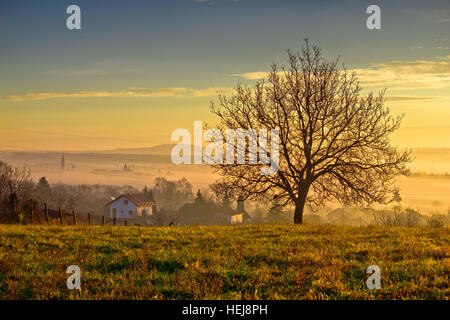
x,y
235,144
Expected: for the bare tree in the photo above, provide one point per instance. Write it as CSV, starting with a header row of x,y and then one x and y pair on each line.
x,y
171,195
15,182
334,142
4,173
60,195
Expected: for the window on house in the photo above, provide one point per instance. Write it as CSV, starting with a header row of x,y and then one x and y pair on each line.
x,y
125,202
130,213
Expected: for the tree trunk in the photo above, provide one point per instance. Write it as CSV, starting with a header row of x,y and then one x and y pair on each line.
x,y
299,206
298,213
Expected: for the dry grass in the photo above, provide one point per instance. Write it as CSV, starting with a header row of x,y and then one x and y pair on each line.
x,y
245,262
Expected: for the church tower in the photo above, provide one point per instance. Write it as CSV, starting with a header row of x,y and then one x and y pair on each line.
x,y
63,162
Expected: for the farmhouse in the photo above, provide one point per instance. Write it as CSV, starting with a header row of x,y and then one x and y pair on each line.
x,y
227,215
131,206
204,212
225,218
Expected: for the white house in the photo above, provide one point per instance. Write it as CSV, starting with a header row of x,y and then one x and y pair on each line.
x,y
130,206
228,218
236,218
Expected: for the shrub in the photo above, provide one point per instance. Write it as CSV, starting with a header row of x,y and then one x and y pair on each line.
x,y
435,221
398,217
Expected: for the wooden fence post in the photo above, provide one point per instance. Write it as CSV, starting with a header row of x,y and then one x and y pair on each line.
x,y
114,221
74,218
89,218
103,220
31,210
46,212
60,216
125,224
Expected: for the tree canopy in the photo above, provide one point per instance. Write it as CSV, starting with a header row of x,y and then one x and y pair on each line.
x,y
334,141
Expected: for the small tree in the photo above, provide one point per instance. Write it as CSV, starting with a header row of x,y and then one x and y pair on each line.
x,y
15,184
275,213
397,198
334,142
199,198
148,193
43,190
172,195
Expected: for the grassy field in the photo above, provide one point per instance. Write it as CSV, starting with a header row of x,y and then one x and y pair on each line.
x,y
244,262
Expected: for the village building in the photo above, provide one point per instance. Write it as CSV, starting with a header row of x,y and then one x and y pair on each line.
x,y
230,216
131,206
203,212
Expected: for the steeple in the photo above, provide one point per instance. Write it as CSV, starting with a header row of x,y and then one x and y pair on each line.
x,y
63,162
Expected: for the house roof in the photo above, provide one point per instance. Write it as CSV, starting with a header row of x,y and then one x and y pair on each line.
x,y
139,199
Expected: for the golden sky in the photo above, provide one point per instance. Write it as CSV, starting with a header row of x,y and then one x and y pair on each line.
x,y
131,83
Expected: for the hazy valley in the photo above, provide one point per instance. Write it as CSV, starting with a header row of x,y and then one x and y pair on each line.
x,y
427,189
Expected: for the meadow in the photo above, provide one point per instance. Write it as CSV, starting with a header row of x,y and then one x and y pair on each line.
x,y
224,262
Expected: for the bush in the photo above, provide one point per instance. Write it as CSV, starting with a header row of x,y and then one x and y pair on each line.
x,y
398,217
435,221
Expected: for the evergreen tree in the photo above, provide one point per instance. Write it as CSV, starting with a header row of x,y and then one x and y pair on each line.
x,y
148,193
199,198
43,191
275,210
43,183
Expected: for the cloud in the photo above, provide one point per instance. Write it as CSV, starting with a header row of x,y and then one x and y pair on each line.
x,y
444,20
257,75
406,74
394,74
131,93
410,98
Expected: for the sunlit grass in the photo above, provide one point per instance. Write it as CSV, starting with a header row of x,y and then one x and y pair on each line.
x,y
244,262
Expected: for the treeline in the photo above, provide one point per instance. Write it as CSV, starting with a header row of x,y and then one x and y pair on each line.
x,y
19,194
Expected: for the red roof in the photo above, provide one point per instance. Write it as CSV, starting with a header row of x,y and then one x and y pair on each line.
x,y
139,199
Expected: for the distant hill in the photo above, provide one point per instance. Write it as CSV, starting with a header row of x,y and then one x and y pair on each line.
x,y
162,149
